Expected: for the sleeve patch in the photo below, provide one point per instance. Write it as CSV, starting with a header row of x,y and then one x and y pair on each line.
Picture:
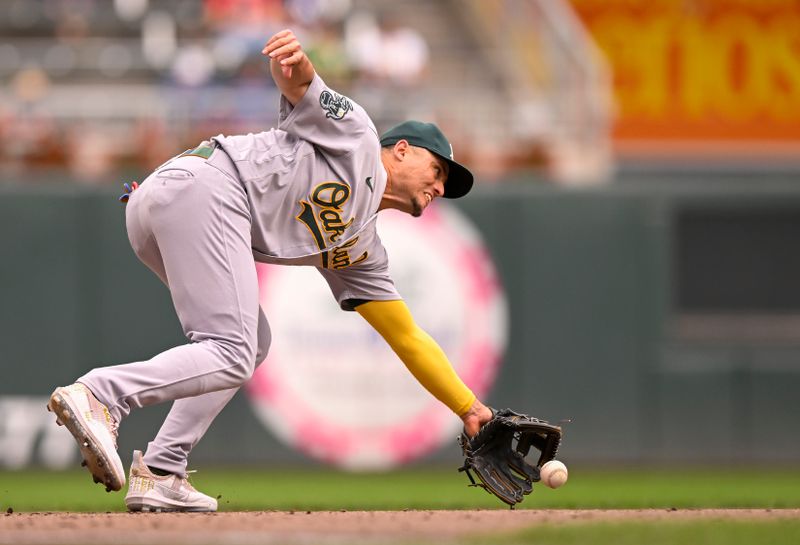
x,y
335,105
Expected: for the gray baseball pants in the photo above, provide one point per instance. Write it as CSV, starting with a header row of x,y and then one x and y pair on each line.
x,y
189,222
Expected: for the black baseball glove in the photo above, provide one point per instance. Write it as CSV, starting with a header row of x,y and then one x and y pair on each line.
x,y
500,463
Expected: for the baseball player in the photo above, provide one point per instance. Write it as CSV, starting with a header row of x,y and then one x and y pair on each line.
x,y
305,193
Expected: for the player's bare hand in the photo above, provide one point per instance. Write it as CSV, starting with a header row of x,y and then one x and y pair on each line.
x,y
478,415
285,49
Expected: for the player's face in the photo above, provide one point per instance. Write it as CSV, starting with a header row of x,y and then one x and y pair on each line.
x,y
426,175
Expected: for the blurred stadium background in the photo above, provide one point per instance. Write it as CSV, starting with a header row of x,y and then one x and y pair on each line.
x,y
637,188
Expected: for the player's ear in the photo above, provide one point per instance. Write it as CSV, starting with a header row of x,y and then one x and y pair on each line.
x,y
401,149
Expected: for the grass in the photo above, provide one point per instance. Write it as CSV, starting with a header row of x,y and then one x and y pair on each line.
x,y
293,489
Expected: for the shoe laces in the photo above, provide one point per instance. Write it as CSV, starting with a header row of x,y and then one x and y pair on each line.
x,y
186,480
113,427
101,412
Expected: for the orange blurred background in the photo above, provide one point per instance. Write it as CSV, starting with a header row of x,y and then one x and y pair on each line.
x,y
702,76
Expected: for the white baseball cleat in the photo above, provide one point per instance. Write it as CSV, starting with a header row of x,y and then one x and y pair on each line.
x,y
150,492
94,429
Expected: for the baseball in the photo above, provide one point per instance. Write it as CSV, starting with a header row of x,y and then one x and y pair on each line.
x,y
554,474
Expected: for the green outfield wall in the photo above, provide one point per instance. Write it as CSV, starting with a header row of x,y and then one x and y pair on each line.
x,y
660,314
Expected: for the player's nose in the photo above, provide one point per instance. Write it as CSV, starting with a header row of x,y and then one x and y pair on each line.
x,y
438,188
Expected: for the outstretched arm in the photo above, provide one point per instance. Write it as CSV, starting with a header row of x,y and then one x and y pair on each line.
x,y
290,67
425,359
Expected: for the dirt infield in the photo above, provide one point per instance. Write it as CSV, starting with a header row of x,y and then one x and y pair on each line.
x,y
318,527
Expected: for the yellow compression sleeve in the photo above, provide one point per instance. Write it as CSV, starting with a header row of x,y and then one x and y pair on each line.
x,y
419,352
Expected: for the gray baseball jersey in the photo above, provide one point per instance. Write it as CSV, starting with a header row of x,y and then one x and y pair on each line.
x,y
314,185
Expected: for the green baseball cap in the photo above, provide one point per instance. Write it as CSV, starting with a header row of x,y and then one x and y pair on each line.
x,y
428,136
